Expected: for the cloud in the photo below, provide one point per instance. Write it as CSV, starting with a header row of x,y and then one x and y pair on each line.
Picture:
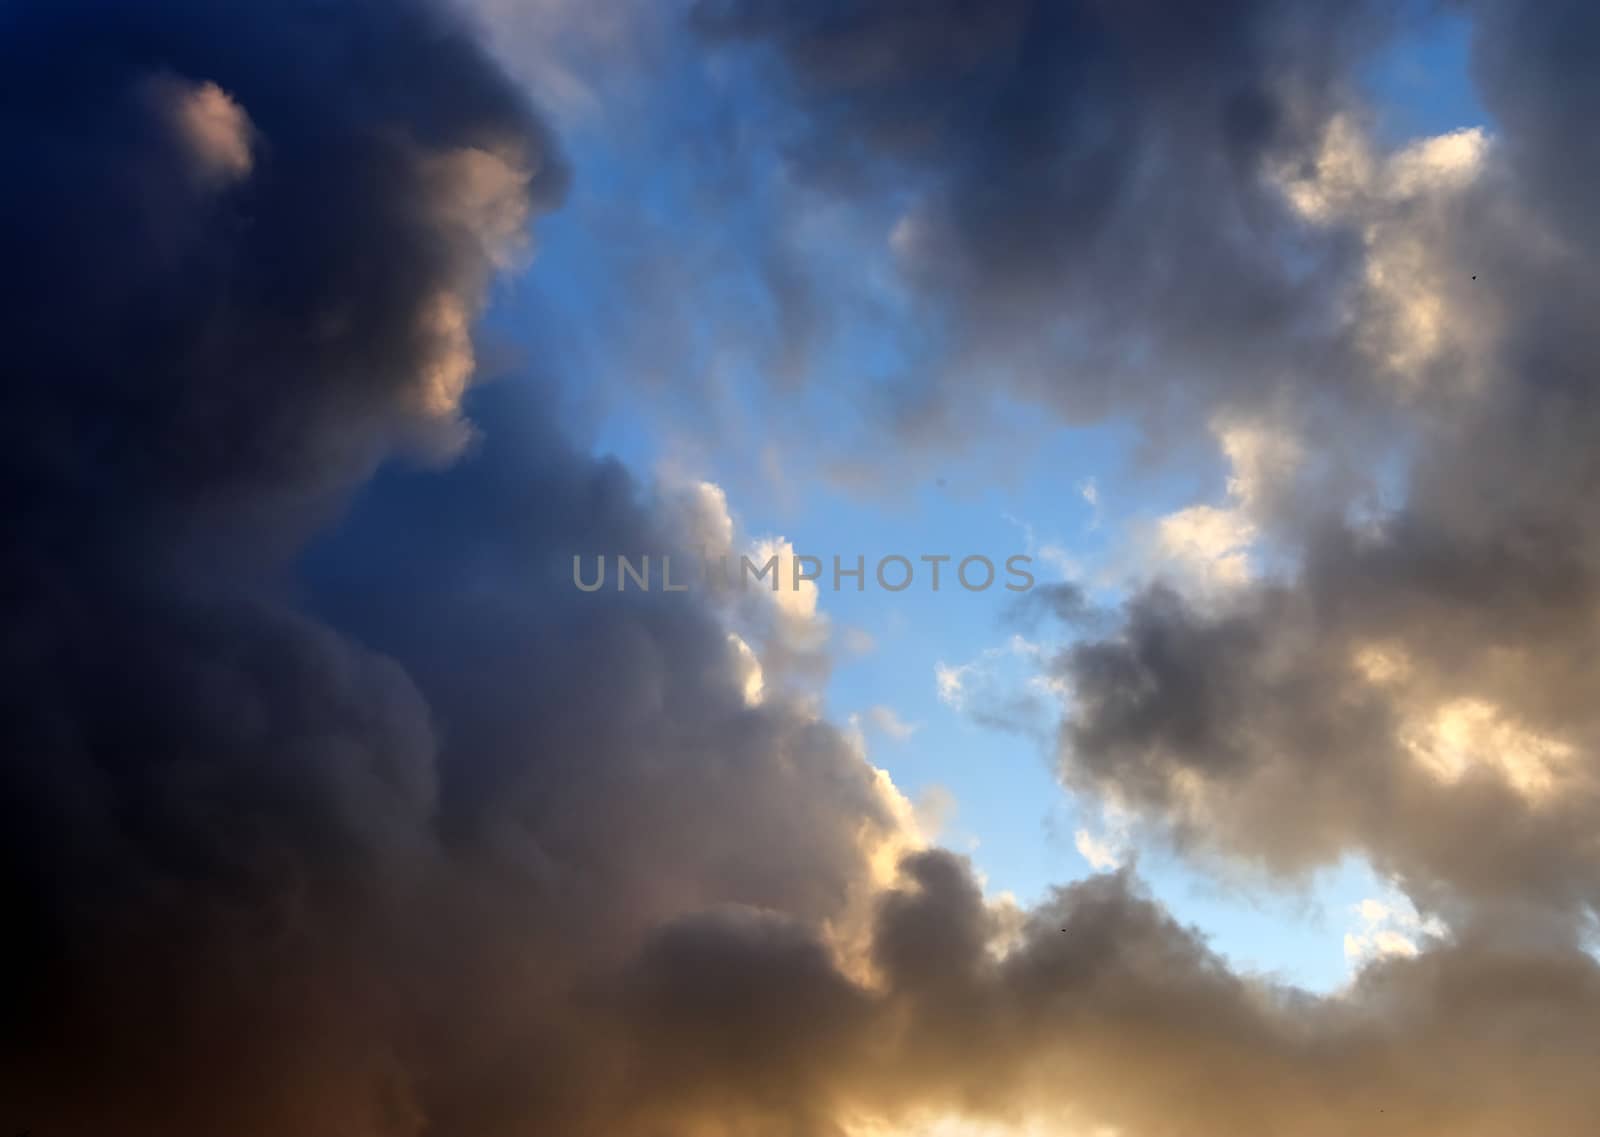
x,y
572,56
857,641
211,126
775,608
1403,674
1006,687
1078,194
752,680
886,721
1211,543
1100,853
953,1035
1410,687
1089,490
1207,550
1401,204
336,784
1388,928
330,806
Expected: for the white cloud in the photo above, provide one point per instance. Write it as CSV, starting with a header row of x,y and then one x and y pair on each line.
x,y
1067,566
936,805
1470,734
781,625
1388,927
1415,303
884,720
951,683
795,599
1263,459
751,678
1004,687
1048,553
1210,544
705,518
1089,490
1102,853
857,641
1210,547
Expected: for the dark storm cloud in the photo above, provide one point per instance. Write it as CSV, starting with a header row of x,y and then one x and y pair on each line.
x,y
611,725
237,240
258,877
238,236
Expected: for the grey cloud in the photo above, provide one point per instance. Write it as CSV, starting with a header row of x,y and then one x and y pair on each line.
x,y
1106,1012
1454,631
1091,224
328,854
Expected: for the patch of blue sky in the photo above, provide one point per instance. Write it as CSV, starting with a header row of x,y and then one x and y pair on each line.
x,y
643,231
1294,932
1421,85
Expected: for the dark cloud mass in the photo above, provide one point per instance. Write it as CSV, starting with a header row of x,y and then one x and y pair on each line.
x,y
327,807
1086,217
259,878
281,214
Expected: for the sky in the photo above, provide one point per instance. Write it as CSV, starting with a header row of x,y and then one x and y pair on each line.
x,y
350,338
1075,499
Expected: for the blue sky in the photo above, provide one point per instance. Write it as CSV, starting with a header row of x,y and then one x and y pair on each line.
x,y
703,405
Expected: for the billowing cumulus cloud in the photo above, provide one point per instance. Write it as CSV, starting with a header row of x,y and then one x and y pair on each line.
x,y
331,807
334,861
1415,686
1103,1015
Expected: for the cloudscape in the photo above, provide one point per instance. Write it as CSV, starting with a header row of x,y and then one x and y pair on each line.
x,y
347,340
